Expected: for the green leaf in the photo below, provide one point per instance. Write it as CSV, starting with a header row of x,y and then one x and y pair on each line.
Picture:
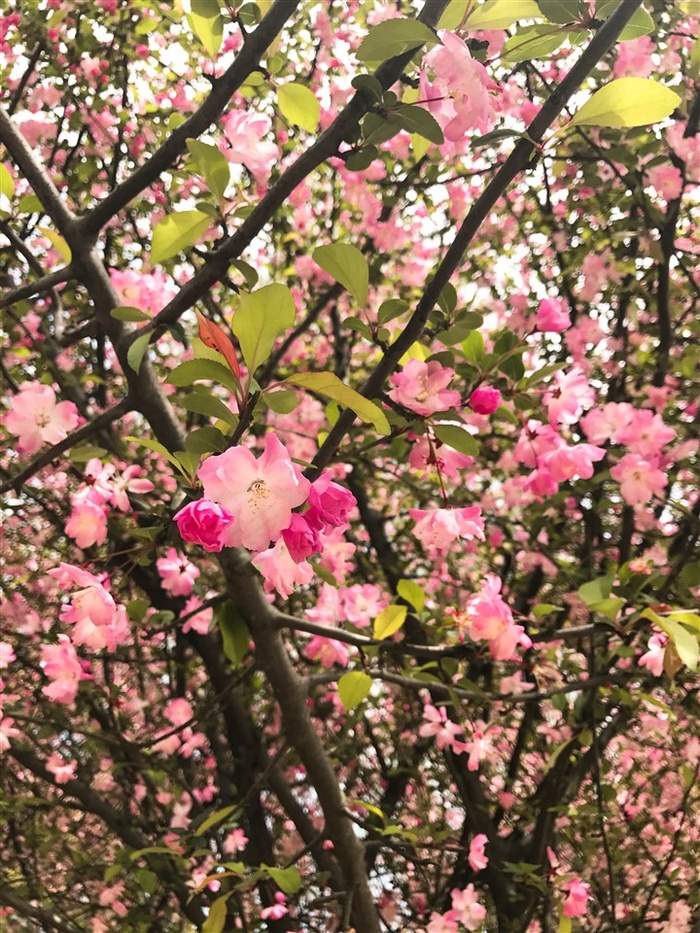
x,y
685,642
58,243
537,41
281,402
639,24
7,184
262,315
369,85
124,313
627,102
205,441
86,452
597,590
193,370
286,879
560,11
608,608
299,106
390,309
176,232
202,403
208,24
158,448
212,164
348,266
329,386
247,271
495,14
147,879
565,924
412,593
214,819
457,438
544,609
29,204
137,350
417,120
393,37
473,347
216,918
389,621
353,688
234,633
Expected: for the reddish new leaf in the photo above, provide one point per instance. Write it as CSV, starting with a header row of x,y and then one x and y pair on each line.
x,y
212,336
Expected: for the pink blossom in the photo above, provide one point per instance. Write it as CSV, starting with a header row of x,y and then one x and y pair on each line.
x,y
567,463
438,725
466,908
578,894
634,58
653,660
301,538
328,651
87,524
205,523
422,387
329,503
484,400
448,461
177,574
131,480
36,419
62,770
552,316
235,842
199,622
439,528
244,141
259,493
477,747
488,618
645,433
62,666
442,923
96,619
667,180
280,571
458,94
639,479
277,911
568,397
7,654
477,859
604,424
362,602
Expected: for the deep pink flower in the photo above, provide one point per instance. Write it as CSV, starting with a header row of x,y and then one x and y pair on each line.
x,y
329,503
576,903
301,538
422,387
259,493
484,400
552,316
205,523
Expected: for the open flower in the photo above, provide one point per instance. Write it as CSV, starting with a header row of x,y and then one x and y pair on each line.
x,y
37,419
259,493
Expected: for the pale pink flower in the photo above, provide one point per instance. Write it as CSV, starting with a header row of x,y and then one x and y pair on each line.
x,y
96,619
422,457
645,433
422,387
439,528
244,141
578,894
36,419
62,770
552,316
606,423
336,554
259,493
457,95
634,58
438,725
235,842
8,731
653,660
205,523
7,654
63,667
199,622
442,923
277,911
280,571
478,747
131,480
466,908
568,397
478,860
639,479
327,651
484,400
567,463
87,524
667,180
177,573
489,618
362,603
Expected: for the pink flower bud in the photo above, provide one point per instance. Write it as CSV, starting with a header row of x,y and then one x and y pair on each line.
x,y
484,400
204,522
329,503
301,539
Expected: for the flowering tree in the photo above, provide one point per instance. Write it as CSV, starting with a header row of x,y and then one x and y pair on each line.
x,y
351,460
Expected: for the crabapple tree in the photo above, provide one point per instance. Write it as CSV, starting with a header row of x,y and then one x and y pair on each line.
x,y
350,461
